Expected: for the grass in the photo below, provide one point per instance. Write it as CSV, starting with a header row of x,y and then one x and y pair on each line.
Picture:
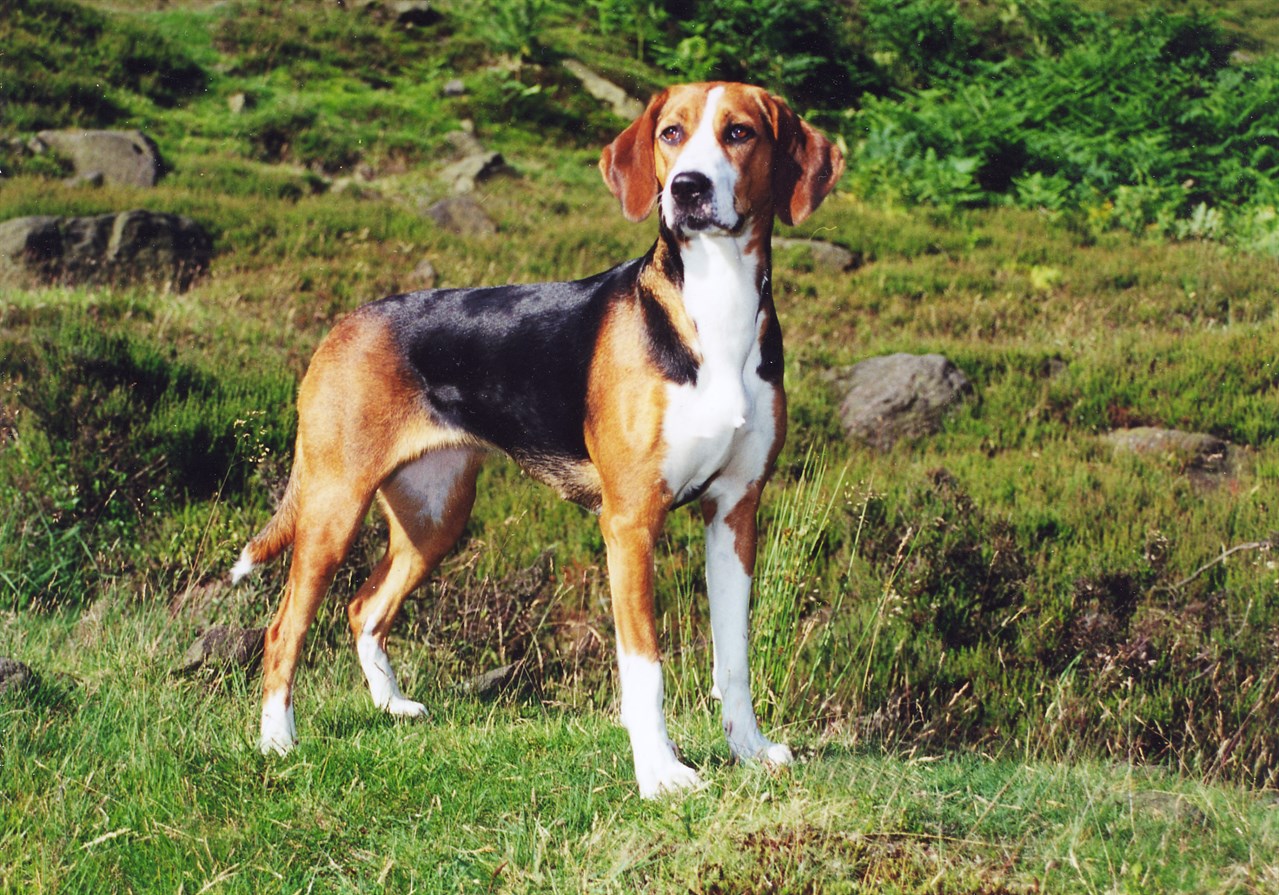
x,y
117,775
1006,654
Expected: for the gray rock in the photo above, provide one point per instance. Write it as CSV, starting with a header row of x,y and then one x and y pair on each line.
x,y
465,174
1203,457
462,215
222,647
132,246
424,276
825,255
899,396
90,178
454,88
126,158
463,142
406,13
622,104
491,683
15,676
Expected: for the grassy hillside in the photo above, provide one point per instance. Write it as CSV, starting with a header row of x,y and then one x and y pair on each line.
x,y
1011,657
119,777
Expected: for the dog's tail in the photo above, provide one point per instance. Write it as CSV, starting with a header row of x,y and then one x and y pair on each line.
x,y
275,536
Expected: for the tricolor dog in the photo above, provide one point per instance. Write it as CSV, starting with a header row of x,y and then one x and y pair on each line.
x,y
651,385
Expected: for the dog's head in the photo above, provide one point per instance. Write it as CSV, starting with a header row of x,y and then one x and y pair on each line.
x,y
719,156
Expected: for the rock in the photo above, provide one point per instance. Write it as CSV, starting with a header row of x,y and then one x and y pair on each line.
x,y
622,104
15,676
463,141
462,215
1205,458
133,246
465,174
406,13
126,158
453,89
237,102
92,178
899,396
826,255
491,683
424,275
223,647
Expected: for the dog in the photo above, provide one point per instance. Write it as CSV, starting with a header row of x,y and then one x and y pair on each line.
x,y
651,385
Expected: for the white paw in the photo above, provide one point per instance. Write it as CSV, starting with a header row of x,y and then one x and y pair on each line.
x,y
664,775
757,747
777,754
279,735
405,708
276,744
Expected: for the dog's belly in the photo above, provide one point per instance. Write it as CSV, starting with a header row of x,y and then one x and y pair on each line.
x,y
575,480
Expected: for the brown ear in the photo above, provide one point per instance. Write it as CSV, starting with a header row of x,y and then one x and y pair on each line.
x,y
806,166
627,163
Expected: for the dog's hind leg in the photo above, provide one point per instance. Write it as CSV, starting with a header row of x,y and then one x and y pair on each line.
x,y
426,503
332,516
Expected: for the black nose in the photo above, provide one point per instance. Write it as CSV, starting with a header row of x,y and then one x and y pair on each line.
x,y
690,186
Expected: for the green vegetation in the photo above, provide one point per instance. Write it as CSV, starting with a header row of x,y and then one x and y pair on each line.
x,y
119,777
1095,252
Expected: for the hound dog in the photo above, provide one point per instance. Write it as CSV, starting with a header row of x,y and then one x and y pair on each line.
x,y
648,386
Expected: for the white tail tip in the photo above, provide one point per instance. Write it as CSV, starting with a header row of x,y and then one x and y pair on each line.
x,y
242,567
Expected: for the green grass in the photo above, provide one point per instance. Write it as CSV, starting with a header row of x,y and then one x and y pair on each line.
x,y
994,647
116,775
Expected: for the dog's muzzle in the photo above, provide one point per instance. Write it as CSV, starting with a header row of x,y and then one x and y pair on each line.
x,y
693,200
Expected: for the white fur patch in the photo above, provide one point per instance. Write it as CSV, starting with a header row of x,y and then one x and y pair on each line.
x,y
429,481
279,735
381,678
729,590
657,769
704,421
703,154
242,567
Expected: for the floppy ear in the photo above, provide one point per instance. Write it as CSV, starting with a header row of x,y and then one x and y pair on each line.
x,y
627,163
806,166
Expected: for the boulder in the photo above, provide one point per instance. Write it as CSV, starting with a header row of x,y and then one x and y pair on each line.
x,y
622,104
462,215
465,174
132,246
126,158
491,683
424,276
899,396
15,676
406,13
223,647
1205,458
825,255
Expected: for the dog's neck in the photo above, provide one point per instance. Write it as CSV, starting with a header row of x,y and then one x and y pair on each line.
x,y
721,283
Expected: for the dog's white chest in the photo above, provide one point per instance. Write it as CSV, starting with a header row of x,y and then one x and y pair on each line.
x,y
705,421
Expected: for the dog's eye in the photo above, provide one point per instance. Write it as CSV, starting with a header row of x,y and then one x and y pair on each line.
x,y
738,133
673,135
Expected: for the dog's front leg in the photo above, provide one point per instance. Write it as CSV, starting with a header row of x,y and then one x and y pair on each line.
x,y
730,563
630,538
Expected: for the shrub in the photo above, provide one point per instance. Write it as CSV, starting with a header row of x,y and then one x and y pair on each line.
x,y
110,427
67,65
1146,115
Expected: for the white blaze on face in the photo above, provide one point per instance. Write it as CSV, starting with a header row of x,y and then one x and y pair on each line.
x,y
703,154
